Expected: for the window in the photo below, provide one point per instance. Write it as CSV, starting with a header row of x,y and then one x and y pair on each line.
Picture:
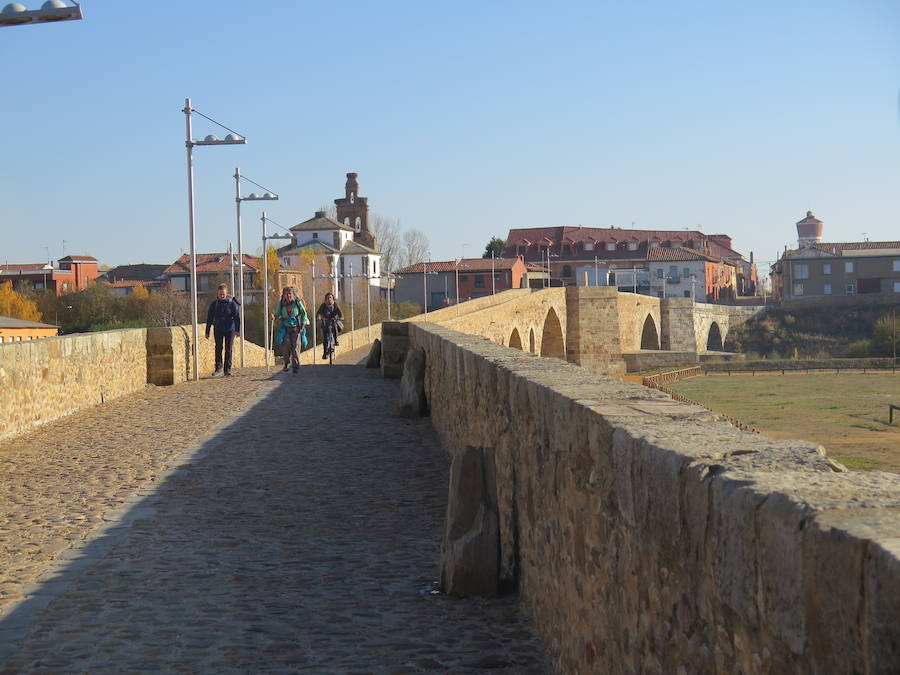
x,y
479,281
588,246
632,246
654,244
687,294
848,267
358,223
347,221
897,265
686,272
567,271
673,272
352,197
610,246
315,235
897,287
851,289
801,271
659,273
374,269
826,289
798,288
826,268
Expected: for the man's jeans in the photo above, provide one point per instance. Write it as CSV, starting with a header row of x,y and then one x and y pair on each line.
x,y
226,338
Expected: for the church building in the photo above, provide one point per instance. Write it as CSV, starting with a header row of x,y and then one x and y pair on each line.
x,y
344,249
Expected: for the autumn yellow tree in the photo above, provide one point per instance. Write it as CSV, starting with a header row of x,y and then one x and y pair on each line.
x,y
136,303
17,305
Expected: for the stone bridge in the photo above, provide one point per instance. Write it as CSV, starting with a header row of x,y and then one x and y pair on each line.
x,y
642,535
601,329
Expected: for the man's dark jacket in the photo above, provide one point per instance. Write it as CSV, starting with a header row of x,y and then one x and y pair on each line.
x,y
224,315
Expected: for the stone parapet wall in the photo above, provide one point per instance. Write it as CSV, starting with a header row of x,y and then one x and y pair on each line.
x,y
636,362
43,380
647,536
170,356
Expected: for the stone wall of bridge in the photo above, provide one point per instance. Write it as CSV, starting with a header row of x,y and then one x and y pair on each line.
x,y
43,380
646,536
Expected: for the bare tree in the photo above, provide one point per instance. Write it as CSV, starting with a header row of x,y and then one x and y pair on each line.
x,y
414,248
387,233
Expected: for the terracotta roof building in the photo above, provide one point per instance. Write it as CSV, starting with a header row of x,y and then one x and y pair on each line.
x,y
210,268
447,282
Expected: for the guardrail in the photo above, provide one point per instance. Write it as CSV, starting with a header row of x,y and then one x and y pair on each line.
x,y
672,376
655,382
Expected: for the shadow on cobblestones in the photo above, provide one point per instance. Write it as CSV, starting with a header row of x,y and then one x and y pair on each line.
x,y
303,537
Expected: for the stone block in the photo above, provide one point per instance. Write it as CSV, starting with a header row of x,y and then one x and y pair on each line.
x,y
374,360
470,554
412,401
395,328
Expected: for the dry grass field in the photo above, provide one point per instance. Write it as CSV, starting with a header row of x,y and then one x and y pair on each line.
x,y
846,413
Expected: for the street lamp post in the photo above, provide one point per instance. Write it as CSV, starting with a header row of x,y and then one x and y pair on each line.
x,y
265,265
231,267
493,276
457,266
15,14
231,139
352,312
425,287
268,195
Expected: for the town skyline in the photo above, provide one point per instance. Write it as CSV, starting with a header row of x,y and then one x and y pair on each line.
x,y
462,123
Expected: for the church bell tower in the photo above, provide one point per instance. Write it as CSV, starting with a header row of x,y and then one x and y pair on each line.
x,y
353,210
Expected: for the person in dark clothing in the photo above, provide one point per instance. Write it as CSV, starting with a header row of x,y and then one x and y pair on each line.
x,y
224,317
329,314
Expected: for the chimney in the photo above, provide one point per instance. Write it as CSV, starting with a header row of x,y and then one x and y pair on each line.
x,y
320,214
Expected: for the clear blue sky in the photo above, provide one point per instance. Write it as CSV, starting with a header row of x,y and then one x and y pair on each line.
x,y
462,119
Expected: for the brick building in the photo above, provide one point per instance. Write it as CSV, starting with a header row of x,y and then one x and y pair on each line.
x,y
71,273
439,280
212,269
622,257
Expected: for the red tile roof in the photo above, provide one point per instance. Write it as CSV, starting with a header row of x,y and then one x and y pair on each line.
x,y
465,265
854,246
593,234
79,258
208,263
680,254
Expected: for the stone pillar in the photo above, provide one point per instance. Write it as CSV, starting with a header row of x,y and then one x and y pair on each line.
x,y
677,325
592,326
394,345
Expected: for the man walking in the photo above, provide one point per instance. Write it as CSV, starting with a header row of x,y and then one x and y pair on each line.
x,y
225,318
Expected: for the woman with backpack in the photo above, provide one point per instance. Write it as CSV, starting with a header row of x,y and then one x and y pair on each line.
x,y
292,316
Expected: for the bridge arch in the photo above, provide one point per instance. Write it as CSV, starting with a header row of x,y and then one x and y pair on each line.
x,y
714,341
515,340
552,341
531,341
649,334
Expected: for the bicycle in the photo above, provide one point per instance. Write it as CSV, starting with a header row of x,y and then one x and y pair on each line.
x,y
329,328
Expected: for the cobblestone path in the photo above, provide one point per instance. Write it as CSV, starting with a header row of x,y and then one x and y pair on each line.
x,y
301,537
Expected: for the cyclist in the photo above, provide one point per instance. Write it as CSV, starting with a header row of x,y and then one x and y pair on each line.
x,y
329,314
292,315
